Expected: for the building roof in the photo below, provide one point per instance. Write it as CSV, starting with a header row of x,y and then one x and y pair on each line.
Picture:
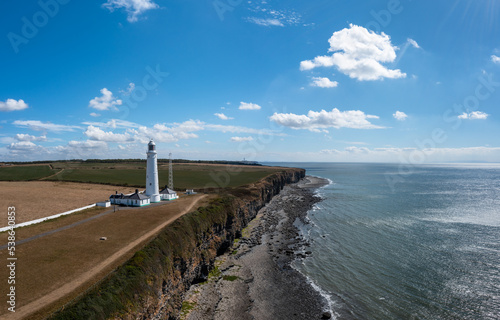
x,y
133,196
167,191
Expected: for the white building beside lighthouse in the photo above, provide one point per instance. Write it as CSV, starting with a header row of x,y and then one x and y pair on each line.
x,y
152,186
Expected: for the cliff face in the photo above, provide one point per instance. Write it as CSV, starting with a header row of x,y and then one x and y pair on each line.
x,y
152,284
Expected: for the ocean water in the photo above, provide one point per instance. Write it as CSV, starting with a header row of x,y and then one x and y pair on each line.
x,y
426,248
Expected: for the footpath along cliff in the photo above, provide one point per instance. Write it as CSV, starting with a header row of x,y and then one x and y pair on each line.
x,y
152,284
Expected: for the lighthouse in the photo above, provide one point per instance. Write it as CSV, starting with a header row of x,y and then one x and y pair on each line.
x,y
152,187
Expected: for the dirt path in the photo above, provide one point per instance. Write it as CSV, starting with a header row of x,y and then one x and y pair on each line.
x,y
55,174
55,295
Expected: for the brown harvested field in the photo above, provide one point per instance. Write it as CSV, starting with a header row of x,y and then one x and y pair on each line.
x,y
54,269
38,199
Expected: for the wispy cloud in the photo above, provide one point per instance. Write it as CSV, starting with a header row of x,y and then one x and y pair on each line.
x,y
268,16
413,43
222,116
44,126
495,59
241,139
134,8
266,22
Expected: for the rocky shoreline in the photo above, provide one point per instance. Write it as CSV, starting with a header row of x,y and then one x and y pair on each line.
x,y
254,279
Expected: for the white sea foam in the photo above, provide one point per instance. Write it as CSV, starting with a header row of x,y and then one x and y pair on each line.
x,y
323,293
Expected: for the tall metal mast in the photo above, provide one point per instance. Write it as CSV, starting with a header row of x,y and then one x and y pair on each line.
x,y
170,173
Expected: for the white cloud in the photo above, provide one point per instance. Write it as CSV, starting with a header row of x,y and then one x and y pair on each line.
x,y
241,139
266,22
323,82
131,87
354,149
400,116
93,114
358,53
13,105
314,121
474,115
113,123
44,126
413,43
89,144
495,59
27,137
222,116
24,146
106,102
238,129
249,106
98,134
134,8
265,15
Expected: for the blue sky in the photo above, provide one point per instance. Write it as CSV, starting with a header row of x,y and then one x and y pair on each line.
x,y
392,81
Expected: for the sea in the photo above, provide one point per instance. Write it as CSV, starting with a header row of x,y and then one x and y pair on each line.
x,y
392,241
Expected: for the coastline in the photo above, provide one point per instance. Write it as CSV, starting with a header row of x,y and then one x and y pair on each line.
x,y
255,279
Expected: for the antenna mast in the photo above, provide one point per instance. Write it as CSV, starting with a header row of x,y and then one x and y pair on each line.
x,y
170,173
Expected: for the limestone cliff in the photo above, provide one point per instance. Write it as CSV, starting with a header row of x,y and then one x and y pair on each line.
x,y
151,285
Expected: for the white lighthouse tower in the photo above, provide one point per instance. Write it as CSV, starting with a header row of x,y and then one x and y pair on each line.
x,y
152,187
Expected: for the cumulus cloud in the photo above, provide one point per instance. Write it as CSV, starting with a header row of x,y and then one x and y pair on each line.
x,y
28,137
241,139
474,115
222,116
44,126
134,8
13,105
323,82
358,53
314,121
98,134
105,102
400,116
93,114
495,59
249,106
27,146
86,145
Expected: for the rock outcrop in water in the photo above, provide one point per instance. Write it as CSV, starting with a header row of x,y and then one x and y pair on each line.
x,y
151,285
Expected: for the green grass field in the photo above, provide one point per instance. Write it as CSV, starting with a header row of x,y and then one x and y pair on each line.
x,y
185,177
25,173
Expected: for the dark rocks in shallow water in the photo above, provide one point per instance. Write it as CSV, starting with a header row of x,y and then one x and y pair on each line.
x,y
326,315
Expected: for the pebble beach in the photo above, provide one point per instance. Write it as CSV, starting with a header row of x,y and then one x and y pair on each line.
x,y
254,279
